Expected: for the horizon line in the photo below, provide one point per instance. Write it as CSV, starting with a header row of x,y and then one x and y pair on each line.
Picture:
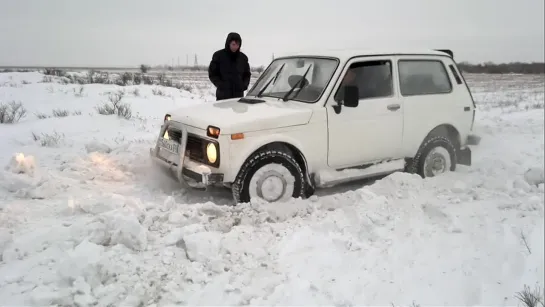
x,y
192,66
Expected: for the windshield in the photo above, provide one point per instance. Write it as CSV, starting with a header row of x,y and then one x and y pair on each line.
x,y
283,74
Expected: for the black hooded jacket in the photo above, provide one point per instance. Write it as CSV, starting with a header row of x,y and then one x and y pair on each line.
x,y
229,71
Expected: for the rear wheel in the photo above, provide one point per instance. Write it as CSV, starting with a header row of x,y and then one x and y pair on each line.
x,y
272,174
436,156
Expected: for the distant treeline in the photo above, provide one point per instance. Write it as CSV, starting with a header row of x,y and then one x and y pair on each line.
x,y
146,68
503,68
484,68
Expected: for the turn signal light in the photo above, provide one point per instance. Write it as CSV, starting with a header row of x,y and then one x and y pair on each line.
x,y
237,136
213,132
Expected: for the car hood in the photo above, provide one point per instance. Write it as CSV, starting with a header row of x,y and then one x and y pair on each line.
x,y
232,116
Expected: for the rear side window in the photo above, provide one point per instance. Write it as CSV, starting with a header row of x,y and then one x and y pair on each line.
x,y
455,74
423,77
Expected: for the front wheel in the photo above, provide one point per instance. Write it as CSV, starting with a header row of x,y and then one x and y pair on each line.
x,y
272,174
437,155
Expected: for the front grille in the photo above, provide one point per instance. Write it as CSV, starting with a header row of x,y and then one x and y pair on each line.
x,y
175,135
195,148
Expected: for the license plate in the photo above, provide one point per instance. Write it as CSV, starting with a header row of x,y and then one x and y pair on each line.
x,y
169,145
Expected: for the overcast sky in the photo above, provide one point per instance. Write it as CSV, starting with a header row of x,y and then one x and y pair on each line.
x,y
131,32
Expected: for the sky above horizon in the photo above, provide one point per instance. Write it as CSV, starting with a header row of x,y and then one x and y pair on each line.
x,y
124,33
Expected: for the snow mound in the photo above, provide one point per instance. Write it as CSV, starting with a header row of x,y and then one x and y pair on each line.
x,y
94,225
20,77
21,164
5,240
22,178
97,147
116,220
535,176
125,229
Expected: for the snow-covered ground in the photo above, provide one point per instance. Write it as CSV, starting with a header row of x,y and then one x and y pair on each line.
x,y
85,220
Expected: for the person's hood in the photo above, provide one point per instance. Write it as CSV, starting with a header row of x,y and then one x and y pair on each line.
x,y
232,116
233,36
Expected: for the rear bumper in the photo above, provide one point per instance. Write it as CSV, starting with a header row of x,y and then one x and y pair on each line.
x,y
473,139
187,172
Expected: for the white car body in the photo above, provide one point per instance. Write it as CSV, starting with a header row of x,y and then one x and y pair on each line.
x,y
376,137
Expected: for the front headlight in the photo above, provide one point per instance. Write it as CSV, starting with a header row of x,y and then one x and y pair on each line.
x,y
211,153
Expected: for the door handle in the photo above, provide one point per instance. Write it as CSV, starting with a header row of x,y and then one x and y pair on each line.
x,y
394,107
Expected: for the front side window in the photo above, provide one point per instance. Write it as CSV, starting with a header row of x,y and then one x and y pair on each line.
x,y
284,79
373,79
423,77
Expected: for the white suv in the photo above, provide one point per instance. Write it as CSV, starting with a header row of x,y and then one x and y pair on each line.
x,y
315,120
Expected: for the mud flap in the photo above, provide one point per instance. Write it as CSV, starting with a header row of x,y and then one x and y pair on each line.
x,y
464,156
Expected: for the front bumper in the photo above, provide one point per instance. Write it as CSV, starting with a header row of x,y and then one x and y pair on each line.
x,y
187,172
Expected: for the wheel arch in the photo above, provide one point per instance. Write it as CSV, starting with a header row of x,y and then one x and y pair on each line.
x,y
292,145
446,130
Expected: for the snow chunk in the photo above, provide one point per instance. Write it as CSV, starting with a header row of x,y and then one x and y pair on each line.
x,y
83,296
176,217
99,205
203,246
5,239
34,186
126,229
398,185
45,296
279,212
534,176
82,261
522,184
21,177
95,146
459,187
212,209
177,234
19,164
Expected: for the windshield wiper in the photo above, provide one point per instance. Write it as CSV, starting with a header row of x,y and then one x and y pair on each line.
x,y
296,84
267,85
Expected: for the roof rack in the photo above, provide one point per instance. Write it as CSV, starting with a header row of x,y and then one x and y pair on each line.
x,y
447,51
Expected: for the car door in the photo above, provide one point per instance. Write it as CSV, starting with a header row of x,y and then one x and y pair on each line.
x,y
373,130
431,98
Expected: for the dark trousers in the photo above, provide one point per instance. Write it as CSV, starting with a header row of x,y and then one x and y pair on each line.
x,y
223,97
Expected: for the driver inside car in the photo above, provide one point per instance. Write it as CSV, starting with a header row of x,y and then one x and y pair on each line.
x,y
349,79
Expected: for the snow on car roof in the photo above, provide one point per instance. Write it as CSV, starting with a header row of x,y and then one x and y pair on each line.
x,y
345,54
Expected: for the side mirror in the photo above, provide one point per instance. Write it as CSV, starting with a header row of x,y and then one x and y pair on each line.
x,y
351,96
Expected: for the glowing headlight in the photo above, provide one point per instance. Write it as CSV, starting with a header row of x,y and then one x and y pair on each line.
x,y
211,152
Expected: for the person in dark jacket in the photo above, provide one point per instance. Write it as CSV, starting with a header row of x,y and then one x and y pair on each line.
x,y
229,69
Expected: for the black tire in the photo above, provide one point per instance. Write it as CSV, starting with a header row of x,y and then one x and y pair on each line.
x,y
416,165
278,154
310,189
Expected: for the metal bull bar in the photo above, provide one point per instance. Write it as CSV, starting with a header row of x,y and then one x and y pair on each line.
x,y
177,165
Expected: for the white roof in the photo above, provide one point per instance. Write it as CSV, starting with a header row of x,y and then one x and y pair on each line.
x,y
345,54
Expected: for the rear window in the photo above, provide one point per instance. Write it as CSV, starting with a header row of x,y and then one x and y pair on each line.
x,y
423,77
